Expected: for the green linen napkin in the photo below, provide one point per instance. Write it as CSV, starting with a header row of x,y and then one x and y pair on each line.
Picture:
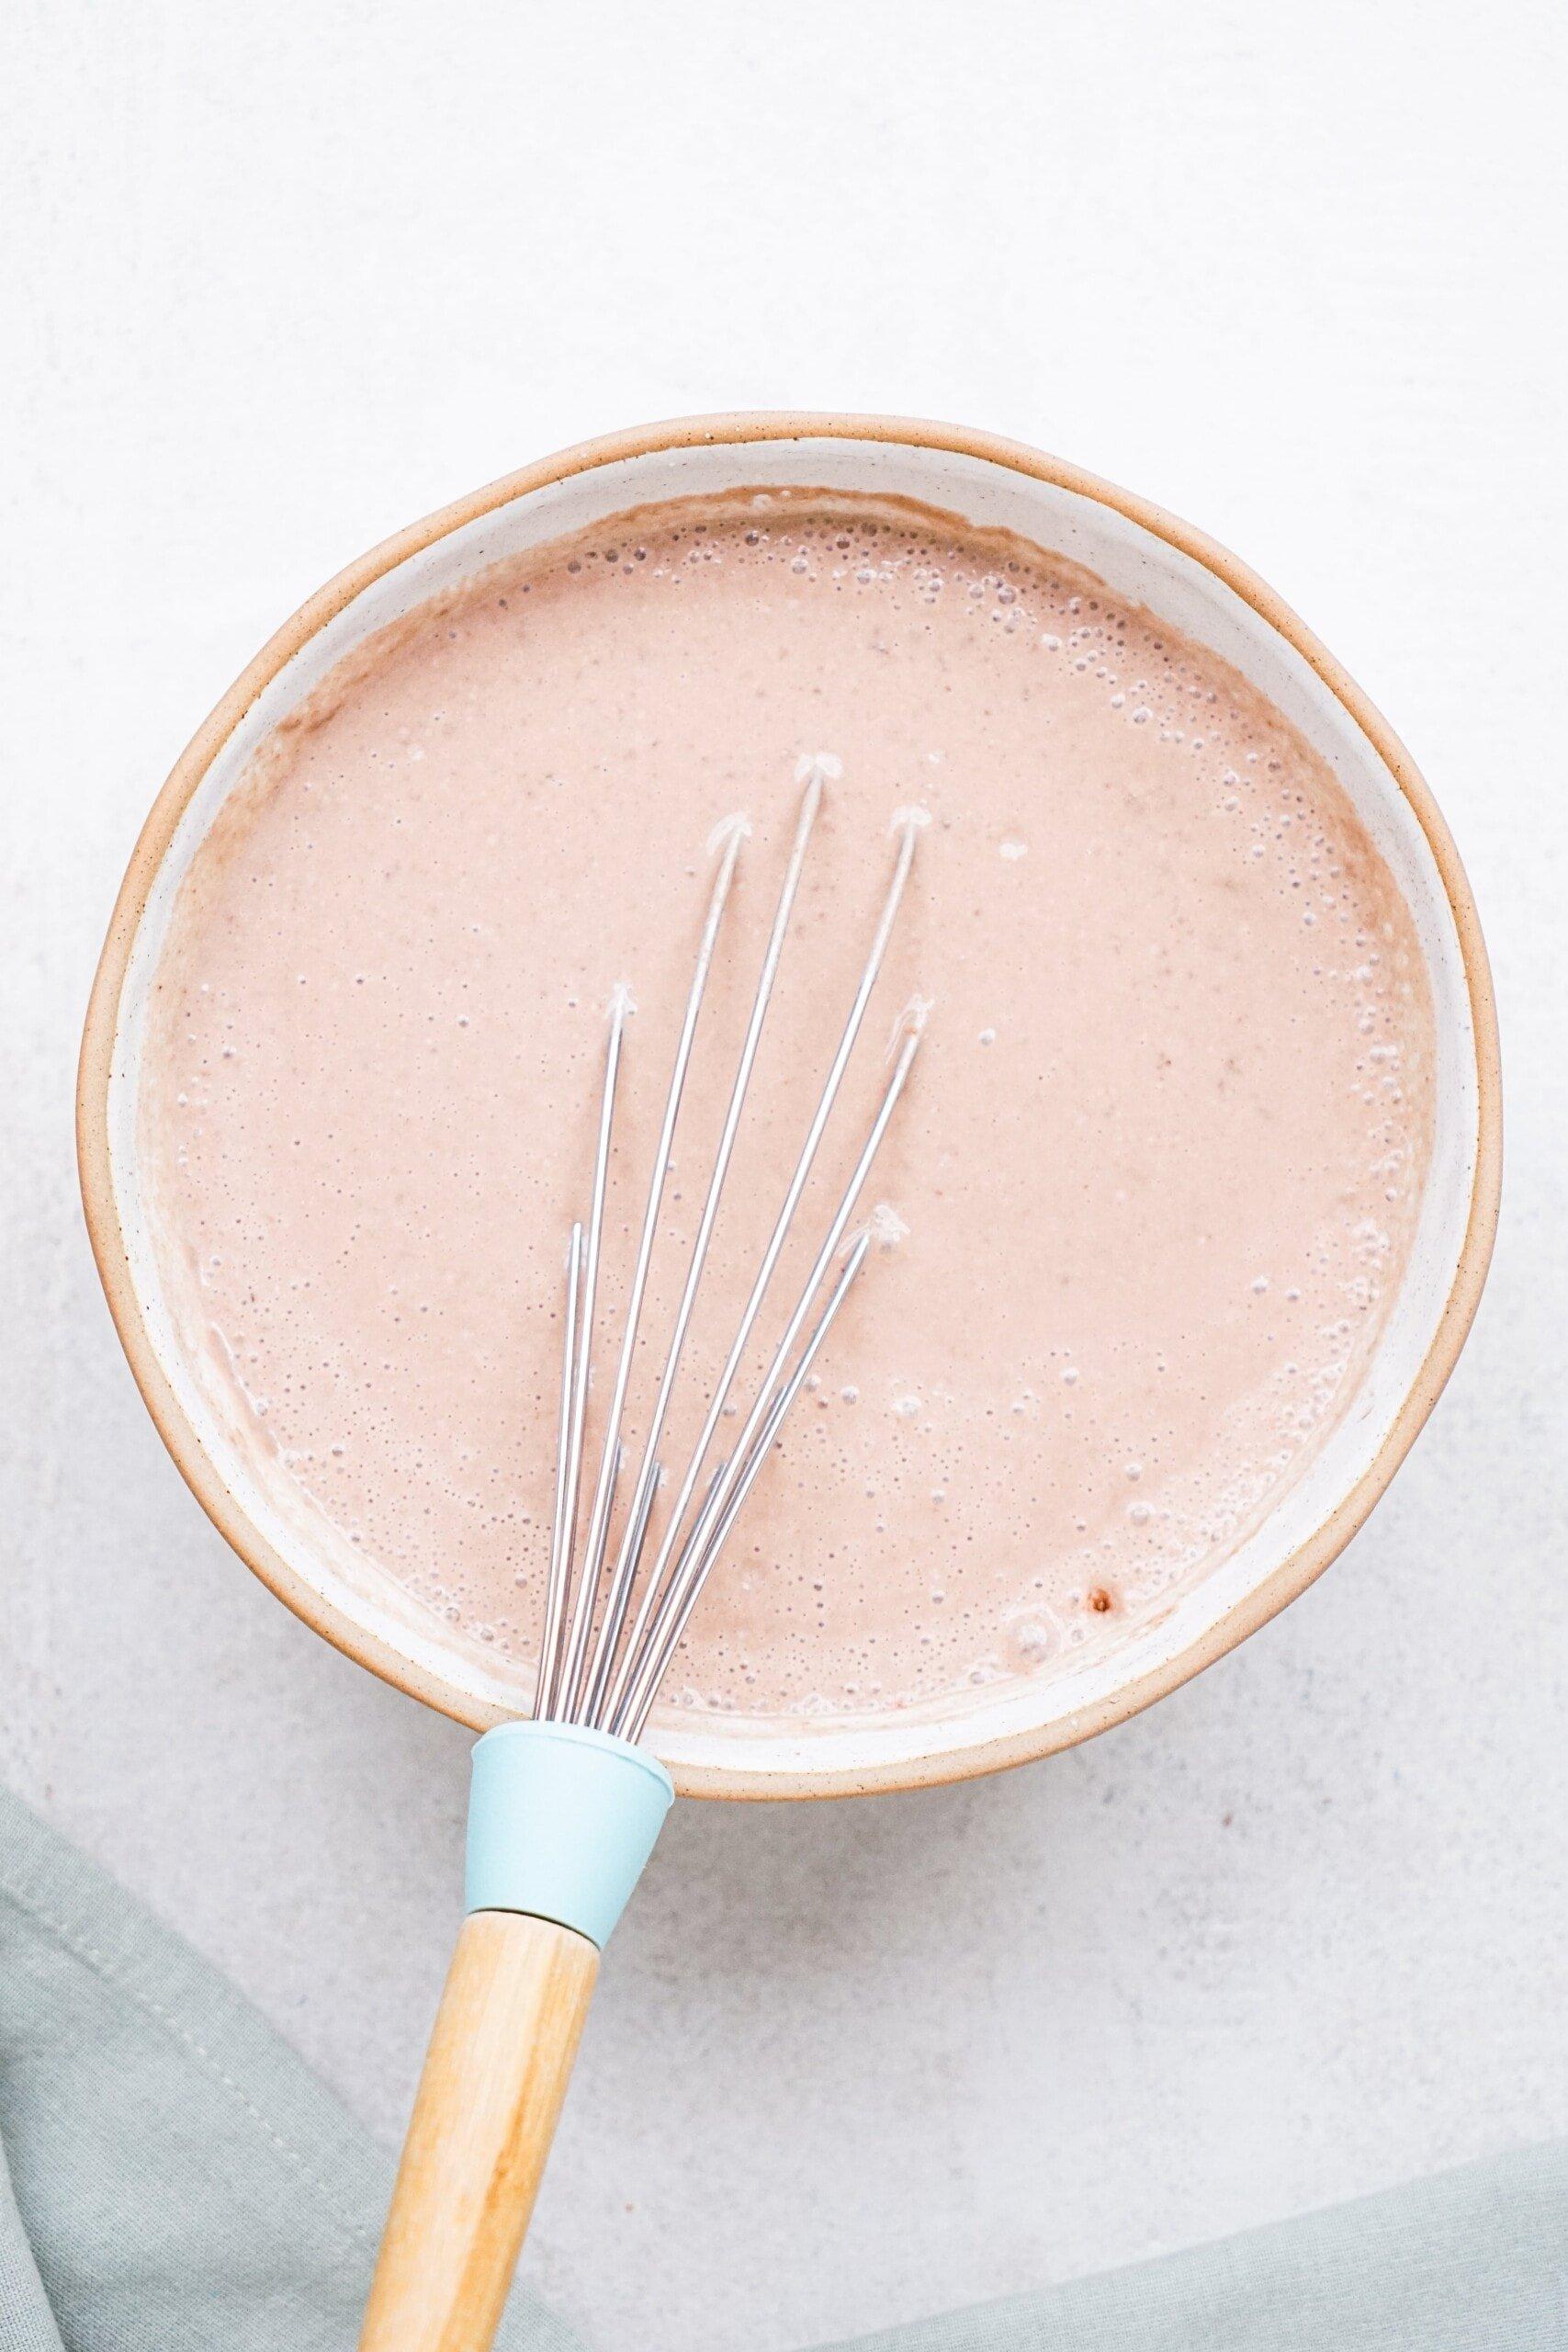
x,y
179,2180
173,2178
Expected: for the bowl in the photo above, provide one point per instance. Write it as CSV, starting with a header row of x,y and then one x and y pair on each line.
x,y
1142,554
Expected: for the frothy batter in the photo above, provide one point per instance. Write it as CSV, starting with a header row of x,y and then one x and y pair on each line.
x,y
1141,1214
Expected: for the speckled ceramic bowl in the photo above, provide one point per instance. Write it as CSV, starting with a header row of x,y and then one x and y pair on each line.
x,y
1141,553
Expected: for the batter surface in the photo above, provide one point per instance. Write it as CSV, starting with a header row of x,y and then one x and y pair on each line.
x,y
1141,1214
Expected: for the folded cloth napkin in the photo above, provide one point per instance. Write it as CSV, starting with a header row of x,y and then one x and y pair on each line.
x,y
174,2180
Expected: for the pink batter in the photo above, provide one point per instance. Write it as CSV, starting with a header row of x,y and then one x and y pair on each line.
x,y
1143,1207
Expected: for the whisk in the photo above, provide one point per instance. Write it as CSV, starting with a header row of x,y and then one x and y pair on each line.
x,y
566,1807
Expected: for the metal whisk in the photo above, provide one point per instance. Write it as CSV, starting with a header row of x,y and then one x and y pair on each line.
x,y
565,1808
591,1671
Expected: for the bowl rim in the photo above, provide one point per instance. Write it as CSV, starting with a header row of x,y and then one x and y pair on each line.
x,y
1282,1585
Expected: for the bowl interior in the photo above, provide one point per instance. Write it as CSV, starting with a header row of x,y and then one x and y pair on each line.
x,y
1176,578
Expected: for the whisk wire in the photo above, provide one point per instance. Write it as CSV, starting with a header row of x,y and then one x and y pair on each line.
x,y
641,1701
909,829
594,1678
599,1522
579,1344
561,1533
702,1546
619,1593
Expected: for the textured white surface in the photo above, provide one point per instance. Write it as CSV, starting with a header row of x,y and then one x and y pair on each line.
x,y
288,279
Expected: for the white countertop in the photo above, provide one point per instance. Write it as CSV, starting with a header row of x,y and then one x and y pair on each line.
x,y
289,278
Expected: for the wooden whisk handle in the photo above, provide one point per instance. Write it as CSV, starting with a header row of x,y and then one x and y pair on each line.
x,y
500,2059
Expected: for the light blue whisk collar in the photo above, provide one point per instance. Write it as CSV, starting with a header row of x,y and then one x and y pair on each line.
x,y
561,1821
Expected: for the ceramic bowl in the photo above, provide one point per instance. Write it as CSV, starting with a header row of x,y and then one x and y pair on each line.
x,y
1142,554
